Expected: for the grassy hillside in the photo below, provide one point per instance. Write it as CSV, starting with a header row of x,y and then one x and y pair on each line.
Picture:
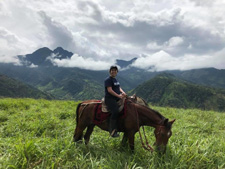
x,y
167,90
62,83
38,134
75,83
13,88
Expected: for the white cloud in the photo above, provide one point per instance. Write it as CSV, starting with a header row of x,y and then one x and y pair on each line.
x,y
175,41
154,46
218,60
10,45
33,66
161,61
103,31
59,34
81,62
6,59
155,61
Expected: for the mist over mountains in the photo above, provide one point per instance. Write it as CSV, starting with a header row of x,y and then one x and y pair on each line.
x,y
46,57
39,71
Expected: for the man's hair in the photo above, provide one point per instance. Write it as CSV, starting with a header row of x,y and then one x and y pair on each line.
x,y
113,67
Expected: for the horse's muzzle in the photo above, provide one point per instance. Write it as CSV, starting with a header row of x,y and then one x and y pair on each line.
x,y
161,149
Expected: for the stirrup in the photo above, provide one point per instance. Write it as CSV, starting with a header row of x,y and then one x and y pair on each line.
x,y
114,133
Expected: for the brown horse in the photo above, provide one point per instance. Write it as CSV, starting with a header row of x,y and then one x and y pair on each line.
x,y
137,115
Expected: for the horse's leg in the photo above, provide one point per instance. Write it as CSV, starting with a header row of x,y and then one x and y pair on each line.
x,y
131,140
124,140
78,133
88,133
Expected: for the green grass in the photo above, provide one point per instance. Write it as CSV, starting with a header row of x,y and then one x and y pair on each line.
x,y
38,134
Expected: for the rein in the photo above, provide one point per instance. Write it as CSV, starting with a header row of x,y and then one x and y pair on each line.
x,y
145,145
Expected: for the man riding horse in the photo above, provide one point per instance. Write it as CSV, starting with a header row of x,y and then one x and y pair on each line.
x,y
138,114
113,93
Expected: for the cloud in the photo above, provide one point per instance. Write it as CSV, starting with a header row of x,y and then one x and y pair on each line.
x,y
153,62
59,34
103,31
10,45
154,46
83,63
175,41
161,61
218,60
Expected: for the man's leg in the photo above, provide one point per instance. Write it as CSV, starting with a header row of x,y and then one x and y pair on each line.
x,y
114,109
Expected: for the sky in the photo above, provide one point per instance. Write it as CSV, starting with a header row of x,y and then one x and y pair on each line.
x,y
161,34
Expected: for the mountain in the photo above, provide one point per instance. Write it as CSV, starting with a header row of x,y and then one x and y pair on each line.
x,y
42,56
62,83
61,53
205,76
124,63
12,88
80,84
75,83
167,90
132,76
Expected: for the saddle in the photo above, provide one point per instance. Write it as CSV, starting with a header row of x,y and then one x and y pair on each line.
x,y
120,103
101,113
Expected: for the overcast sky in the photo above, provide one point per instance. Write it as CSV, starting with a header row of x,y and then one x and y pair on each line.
x,y
162,34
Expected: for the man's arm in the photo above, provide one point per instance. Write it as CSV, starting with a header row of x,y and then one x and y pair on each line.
x,y
110,90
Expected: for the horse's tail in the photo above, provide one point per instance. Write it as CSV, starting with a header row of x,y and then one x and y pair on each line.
x,y
77,112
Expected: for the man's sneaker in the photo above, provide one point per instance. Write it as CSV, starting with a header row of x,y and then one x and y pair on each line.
x,y
114,133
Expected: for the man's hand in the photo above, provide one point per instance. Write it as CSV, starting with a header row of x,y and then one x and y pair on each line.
x,y
124,95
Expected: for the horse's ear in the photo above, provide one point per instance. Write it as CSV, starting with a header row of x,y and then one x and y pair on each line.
x,y
172,121
135,97
166,121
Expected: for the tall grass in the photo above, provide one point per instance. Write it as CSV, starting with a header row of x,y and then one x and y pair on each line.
x,y
38,134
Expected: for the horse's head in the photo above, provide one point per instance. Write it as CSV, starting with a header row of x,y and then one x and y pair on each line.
x,y
162,134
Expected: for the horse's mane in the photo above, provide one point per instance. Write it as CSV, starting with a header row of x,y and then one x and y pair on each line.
x,y
154,111
140,101
163,119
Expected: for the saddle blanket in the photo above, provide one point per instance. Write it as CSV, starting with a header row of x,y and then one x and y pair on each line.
x,y
100,116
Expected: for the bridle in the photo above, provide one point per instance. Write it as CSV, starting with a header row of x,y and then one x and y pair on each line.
x,y
160,128
146,145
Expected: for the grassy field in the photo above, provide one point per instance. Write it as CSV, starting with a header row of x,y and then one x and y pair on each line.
x,y
38,134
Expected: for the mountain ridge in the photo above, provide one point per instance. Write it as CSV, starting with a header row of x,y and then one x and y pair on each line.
x,y
10,87
80,84
169,90
204,76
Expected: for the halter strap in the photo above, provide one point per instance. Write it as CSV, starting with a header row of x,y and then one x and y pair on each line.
x,y
159,129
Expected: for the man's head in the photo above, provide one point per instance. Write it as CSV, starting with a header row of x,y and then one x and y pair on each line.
x,y
113,68
113,71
